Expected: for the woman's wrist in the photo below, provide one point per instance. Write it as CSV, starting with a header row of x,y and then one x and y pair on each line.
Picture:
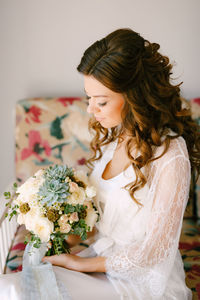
x,y
90,264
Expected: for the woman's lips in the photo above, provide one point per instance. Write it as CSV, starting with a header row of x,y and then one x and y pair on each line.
x,y
99,119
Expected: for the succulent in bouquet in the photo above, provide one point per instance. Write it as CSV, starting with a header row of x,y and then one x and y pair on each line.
x,y
53,204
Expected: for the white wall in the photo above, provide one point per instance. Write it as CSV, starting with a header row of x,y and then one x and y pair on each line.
x,y
42,41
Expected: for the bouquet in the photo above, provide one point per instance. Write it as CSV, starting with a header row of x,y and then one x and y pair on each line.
x,y
52,204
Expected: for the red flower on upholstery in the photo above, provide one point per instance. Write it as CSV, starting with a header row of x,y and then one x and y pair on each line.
x,y
17,269
33,113
19,246
66,101
198,290
36,146
189,246
81,161
196,100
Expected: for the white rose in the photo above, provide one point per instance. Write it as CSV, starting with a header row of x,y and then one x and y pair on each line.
x,y
82,176
31,199
65,228
43,228
90,191
31,218
31,186
21,218
77,197
91,217
39,174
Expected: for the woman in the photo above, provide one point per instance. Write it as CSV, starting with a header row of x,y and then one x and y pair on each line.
x,y
146,142
144,149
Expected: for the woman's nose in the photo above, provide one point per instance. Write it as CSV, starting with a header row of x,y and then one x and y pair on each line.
x,y
92,108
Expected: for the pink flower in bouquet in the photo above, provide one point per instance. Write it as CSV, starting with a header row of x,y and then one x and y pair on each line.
x,y
73,187
64,225
73,217
36,146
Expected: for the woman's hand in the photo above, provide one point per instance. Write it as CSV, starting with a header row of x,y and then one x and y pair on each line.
x,y
77,263
68,261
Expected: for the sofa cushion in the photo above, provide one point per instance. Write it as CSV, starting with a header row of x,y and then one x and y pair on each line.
x,y
50,131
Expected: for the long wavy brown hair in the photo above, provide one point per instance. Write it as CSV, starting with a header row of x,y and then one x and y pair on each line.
x,y
128,64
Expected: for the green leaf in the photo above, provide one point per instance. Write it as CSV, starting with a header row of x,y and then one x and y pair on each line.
x,y
7,195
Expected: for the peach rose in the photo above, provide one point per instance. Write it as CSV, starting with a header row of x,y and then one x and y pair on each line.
x,y
73,217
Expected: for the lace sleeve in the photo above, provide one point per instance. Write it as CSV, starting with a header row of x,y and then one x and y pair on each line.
x,y
149,262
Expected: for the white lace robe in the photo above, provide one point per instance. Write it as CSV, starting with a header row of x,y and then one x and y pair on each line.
x,y
141,244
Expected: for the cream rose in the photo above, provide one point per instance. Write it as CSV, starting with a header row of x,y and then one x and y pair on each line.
x,y
77,197
91,217
28,190
73,187
65,227
43,228
82,176
63,220
31,217
21,218
90,191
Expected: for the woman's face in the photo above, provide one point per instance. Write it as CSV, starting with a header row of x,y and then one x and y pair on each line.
x,y
104,104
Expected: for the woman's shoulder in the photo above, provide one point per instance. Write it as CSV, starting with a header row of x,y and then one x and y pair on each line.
x,y
177,148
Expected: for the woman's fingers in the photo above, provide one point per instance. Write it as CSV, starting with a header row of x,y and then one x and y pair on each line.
x,y
57,260
68,261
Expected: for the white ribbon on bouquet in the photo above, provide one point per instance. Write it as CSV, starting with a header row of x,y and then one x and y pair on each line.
x,y
38,280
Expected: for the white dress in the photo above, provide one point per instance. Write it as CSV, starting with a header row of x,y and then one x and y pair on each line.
x,y
140,243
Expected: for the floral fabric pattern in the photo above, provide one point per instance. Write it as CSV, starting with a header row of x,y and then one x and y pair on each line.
x,y
50,131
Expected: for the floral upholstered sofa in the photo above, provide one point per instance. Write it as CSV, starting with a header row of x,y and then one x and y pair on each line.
x,y
54,130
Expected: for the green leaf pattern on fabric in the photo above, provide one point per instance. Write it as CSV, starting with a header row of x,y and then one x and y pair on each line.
x,y
55,128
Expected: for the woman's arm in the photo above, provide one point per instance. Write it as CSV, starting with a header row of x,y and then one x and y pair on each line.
x,y
76,263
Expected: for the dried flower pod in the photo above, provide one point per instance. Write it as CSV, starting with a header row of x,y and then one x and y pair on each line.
x,y
53,215
24,208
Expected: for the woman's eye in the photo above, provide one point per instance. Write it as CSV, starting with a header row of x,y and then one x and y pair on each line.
x,y
102,104
87,100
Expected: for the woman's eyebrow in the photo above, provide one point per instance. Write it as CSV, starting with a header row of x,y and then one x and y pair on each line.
x,y
98,96
105,96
